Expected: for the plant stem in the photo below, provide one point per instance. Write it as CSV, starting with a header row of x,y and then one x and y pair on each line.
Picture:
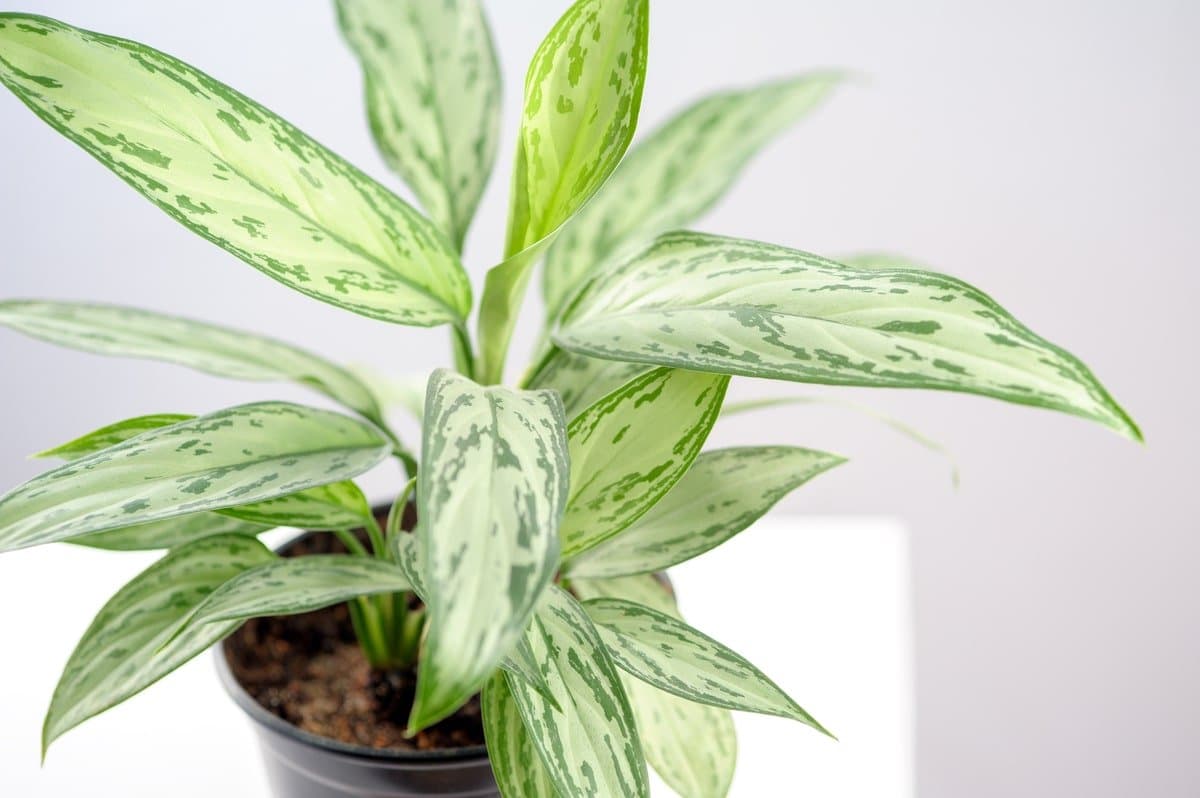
x,y
378,546
464,353
351,542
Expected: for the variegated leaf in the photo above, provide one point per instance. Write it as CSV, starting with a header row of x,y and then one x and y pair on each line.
x,y
337,506
723,493
492,486
433,97
647,589
170,533
232,457
583,92
591,746
340,505
111,435
631,447
693,747
294,585
122,652
667,653
582,381
518,661
674,175
130,332
515,763
235,173
740,307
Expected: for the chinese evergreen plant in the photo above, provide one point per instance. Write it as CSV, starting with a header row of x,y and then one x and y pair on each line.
x,y
545,509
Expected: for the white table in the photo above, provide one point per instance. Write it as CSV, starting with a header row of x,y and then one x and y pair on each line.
x,y
821,604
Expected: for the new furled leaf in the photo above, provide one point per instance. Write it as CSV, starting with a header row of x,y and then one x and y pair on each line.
x,y
591,746
667,653
674,175
122,651
235,173
432,86
583,92
631,447
492,487
231,457
723,493
741,307
130,332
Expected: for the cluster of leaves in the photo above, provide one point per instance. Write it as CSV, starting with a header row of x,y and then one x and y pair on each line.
x,y
546,509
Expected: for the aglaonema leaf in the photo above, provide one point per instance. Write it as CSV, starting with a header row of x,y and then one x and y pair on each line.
x,y
741,307
664,651
515,763
589,747
693,747
122,652
675,174
232,457
295,585
583,92
235,173
130,332
340,505
723,493
169,534
582,381
492,487
631,447
433,98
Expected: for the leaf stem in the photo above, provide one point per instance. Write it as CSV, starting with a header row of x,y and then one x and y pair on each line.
x,y
351,542
464,353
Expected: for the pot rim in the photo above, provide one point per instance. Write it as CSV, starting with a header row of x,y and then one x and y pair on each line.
x,y
262,716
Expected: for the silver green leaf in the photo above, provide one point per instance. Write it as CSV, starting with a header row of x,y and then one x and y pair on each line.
x,y
491,488
591,746
336,506
235,173
741,307
631,447
122,652
294,585
130,332
432,87
231,457
674,175
340,505
515,763
664,651
583,92
693,747
110,435
582,381
170,533
723,493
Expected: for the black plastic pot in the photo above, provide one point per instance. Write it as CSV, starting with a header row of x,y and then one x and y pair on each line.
x,y
304,765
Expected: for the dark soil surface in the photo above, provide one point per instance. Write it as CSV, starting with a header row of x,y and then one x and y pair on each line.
x,y
309,670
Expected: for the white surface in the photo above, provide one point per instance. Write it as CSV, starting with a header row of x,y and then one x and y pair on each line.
x,y
820,604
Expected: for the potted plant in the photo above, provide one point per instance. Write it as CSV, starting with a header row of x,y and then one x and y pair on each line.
x,y
528,599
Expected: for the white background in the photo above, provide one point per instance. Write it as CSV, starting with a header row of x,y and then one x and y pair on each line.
x,y
1041,149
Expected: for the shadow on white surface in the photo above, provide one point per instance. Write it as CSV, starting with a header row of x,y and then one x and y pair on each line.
x,y
822,605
